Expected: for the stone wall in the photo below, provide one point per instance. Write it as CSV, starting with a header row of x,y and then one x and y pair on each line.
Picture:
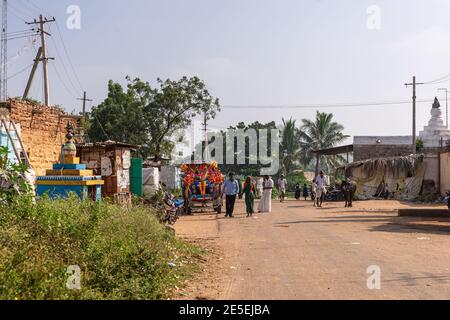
x,y
371,147
365,152
43,131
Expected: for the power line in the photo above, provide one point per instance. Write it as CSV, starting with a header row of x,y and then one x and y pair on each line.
x,y
68,56
63,65
66,52
44,58
323,106
85,99
31,11
21,37
69,91
438,80
37,8
21,31
19,72
19,11
18,16
30,44
414,100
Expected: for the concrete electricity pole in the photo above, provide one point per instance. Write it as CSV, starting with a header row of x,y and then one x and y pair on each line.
x,y
85,99
43,57
413,84
446,104
205,136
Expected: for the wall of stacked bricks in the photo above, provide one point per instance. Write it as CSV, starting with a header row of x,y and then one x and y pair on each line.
x,y
43,130
364,152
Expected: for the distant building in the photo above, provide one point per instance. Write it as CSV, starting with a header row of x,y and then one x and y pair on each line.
x,y
430,172
112,161
371,147
436,133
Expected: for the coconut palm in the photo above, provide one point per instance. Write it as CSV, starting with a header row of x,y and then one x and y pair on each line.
x,y
322,133
290,145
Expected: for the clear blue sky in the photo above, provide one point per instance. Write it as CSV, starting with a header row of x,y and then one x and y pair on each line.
x,y
253,52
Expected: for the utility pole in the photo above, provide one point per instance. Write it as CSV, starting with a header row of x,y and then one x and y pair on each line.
x,y
85,99
446,105
4,53
43,57
205,137
33,71
413,84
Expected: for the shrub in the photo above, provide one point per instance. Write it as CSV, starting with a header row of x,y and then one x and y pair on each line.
x,y
123,253
12,179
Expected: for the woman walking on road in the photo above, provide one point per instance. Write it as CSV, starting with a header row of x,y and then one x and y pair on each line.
x,y
249,191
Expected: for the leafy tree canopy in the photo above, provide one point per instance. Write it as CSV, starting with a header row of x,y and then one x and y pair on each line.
x,y
321,133
150,116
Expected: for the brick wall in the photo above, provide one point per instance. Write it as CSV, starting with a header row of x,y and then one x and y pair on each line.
x,y
42,129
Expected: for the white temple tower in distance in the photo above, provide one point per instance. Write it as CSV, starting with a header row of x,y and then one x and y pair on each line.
x,y
436,133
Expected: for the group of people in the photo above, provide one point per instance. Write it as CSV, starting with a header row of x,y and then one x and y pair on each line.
x,y
232,189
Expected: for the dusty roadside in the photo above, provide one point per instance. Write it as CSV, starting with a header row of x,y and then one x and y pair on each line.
x,y
301,252
203,231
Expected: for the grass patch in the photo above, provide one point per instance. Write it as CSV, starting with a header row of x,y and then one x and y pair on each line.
x,y
123,253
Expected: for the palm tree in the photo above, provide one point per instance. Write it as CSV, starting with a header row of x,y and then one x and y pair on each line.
x,y
322,133
290,145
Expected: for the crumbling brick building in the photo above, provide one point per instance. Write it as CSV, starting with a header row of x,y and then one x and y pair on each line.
x,y
42,129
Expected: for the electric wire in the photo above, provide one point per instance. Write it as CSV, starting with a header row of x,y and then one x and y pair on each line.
x,y
324,106
68,56
20,72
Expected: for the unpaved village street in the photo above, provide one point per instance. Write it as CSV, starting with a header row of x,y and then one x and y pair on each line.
x,y
300,252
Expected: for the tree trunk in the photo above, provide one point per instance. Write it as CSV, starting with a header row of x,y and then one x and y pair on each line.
x,y
317,164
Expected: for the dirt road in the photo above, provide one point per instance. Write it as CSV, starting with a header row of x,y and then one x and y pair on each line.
x,y
300,252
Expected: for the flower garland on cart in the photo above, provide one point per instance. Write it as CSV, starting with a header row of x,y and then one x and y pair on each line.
x,y
201,176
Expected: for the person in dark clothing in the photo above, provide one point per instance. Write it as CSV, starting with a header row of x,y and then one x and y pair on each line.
x,y
231,190
298,191
305,192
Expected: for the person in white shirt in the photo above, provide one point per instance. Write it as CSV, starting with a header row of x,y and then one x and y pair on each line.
x,y
265,204
282,185
320,183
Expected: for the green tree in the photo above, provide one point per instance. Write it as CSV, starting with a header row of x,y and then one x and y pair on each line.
x,y
151,116
419,145
321,133
120,117
248,169
290,145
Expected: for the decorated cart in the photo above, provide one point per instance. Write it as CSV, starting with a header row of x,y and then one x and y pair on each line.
x,y
202,186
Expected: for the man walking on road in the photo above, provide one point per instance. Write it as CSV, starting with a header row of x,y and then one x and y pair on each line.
x,y
320,182
231,190
282,185
265,204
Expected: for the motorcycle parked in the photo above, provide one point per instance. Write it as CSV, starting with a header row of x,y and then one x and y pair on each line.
x,y
447,199
171,206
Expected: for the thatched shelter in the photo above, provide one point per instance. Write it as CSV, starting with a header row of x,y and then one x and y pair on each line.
x,y
396,177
